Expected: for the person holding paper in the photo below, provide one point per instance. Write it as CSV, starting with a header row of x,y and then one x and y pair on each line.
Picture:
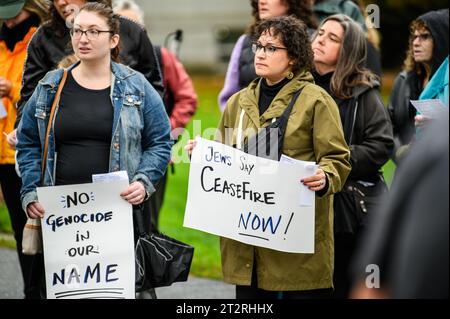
x,y
20,21
428,48
108,119
437,90
339,51
283,60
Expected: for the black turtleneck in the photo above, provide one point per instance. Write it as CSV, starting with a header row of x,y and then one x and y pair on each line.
x,y
324,81
268,93
16,34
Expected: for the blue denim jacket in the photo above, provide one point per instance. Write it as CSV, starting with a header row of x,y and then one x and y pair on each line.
x,y
141,142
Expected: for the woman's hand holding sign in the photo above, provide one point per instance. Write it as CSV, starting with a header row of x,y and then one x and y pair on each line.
x,y
316,182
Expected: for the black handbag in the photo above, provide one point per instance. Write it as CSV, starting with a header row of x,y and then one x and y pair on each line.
x,y
160,259
255,143
353,203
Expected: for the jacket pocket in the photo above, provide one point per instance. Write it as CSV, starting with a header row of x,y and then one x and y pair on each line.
x,y
40,113
132,100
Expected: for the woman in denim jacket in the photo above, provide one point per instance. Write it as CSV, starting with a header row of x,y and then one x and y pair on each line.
x,y
108,118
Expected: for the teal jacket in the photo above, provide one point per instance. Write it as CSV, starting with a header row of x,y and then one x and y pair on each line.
x,y
437,88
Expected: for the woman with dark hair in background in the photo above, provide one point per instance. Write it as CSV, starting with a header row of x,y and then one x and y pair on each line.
x,y
339,55
20,21
241,70
356,10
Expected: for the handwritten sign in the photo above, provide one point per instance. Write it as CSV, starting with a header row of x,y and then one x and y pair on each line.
x,y
88,241
249,199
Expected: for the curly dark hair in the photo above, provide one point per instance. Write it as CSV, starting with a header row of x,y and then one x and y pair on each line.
x,y
301,9
292,32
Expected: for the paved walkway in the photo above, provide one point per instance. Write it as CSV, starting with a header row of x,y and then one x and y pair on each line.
x,y
195,288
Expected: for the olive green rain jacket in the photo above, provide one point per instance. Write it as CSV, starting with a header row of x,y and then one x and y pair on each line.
x,y
313,133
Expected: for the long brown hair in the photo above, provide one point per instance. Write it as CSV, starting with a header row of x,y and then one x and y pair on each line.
x,y
301,9
112,20
350,67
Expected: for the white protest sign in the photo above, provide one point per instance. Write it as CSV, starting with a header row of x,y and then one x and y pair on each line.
x,y
230,194
88,241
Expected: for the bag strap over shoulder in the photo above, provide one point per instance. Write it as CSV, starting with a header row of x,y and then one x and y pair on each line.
x,y
287,112
50,122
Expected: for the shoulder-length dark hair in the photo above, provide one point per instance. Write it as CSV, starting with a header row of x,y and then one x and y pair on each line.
x,y
350,68
301,9
293,33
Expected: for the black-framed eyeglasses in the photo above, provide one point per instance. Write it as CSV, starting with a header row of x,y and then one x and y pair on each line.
x,y
269,50
91,34
422,36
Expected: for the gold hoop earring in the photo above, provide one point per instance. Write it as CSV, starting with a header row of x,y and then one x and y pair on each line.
x,y
290,75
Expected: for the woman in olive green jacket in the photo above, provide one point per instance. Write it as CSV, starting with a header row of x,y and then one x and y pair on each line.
x,y
283,59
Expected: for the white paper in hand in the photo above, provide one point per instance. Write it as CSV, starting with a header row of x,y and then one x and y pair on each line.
x,y
110,177
431,109
307,196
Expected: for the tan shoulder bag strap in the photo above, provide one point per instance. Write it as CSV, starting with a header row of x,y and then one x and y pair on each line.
x,y
50,121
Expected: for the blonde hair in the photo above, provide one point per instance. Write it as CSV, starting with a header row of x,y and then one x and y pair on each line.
x,y
38,7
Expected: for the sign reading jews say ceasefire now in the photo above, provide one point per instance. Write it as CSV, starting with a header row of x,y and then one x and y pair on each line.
x,y
249,199
88,241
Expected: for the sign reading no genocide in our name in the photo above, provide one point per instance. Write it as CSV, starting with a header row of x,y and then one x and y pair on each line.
x,y
249,199
88,241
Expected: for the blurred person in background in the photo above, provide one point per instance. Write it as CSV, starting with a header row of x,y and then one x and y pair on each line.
x,y
428,48
20,20
180,98
339,53
405,251
241,70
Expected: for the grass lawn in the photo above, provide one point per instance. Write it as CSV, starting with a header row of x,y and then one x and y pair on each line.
x,y
5,223
206,261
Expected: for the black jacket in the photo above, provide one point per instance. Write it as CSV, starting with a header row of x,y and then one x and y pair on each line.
x,y
407,87
367,129
372,141
47,48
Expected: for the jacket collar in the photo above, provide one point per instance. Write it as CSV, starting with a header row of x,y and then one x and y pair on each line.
x,y
249,100
118,70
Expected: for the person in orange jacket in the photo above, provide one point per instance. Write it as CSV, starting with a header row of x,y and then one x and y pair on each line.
x,y
179,97
21,19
